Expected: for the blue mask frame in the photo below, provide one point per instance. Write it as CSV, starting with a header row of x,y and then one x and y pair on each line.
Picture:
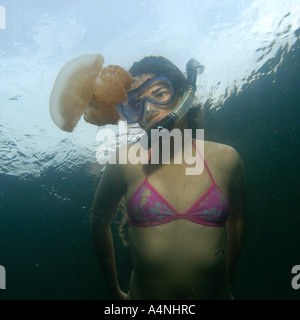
x,y
133,109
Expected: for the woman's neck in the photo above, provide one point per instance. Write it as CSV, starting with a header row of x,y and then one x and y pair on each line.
x,y
169,147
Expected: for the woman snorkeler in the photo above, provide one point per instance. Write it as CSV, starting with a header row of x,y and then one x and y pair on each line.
x,y
185,231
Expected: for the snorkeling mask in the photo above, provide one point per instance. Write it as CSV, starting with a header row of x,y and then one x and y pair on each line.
x,y
158,92
134,108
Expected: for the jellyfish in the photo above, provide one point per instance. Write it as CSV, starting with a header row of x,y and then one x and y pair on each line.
x,y
84,87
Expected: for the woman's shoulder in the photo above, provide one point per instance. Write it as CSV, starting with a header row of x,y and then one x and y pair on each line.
x,y
116,165
222,154
220,148
126,161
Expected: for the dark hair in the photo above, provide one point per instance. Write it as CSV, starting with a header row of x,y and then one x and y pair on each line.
x,y
160,66
195,118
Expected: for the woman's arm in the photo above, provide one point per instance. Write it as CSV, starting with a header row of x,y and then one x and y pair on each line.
x,y
109,192
235,225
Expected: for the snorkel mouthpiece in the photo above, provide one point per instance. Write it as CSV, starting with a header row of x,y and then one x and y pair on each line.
x,y
193,68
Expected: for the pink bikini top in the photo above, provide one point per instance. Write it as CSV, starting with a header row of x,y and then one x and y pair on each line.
x,y
148,208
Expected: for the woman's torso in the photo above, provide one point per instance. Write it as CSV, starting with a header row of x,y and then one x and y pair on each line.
x,y
180,259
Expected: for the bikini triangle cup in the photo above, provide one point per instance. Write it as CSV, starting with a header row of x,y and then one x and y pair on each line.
x,y
149,208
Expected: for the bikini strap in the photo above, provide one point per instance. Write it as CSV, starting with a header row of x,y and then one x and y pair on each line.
x,y
148,166
199,153
205,164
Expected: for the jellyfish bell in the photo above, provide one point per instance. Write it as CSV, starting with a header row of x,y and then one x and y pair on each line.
x,y
82,87
72,90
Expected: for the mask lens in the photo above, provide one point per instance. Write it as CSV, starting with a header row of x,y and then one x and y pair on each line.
x,y
158,90
131,112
